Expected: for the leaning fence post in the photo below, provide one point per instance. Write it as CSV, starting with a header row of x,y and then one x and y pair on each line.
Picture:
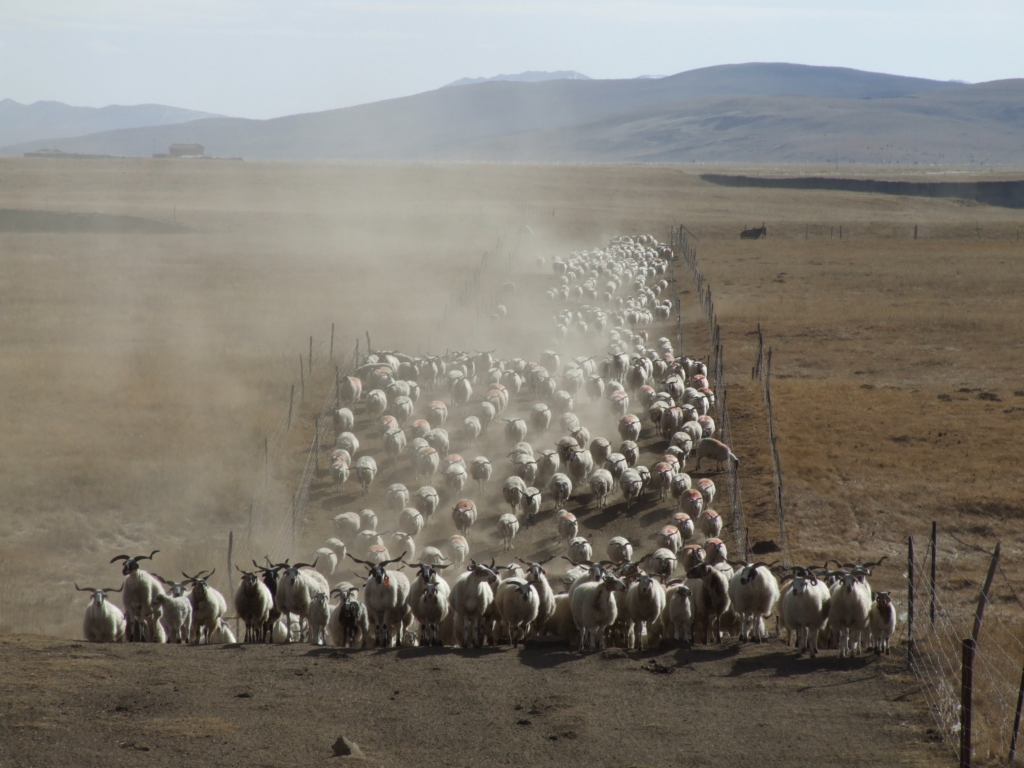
x,y
1016,717
979,613
935,537
291,403
910,602
302,379
966,701
310,359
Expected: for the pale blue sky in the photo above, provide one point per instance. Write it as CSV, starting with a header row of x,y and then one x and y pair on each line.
x,y
264,58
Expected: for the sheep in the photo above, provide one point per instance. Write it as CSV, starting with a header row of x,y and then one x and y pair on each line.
x,y
340,472
430,610
365,469
512,490
706,486
645,602
376,402
540,418
480,470
620,550
601,484
882,621
464,515
426,461
849,608
753,591
616,464
103,622
208,606
677,618
404,541
140,588
253,603
518,605
632,486
347,442
410,521
350,389
600,449
669,538
386,594
458,548
347,524
508,527
327,561
715,450
349,623
580,465
515,430
222,634
594,388
594,609
630,452
487,413
318,616
663,563
461,390
530,504
426,500
805,608
568,527
548,463
394,443
691,502
536,576
710,523
455,477
561,487
471,428
296,588
402,407
710,588
661,478
629,427
471,597
437,438
580,551
431,556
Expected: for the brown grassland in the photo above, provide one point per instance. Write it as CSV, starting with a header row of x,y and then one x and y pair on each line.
x,y
141,373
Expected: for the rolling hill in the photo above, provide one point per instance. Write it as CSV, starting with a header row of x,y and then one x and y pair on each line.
x,y
48,120
744,112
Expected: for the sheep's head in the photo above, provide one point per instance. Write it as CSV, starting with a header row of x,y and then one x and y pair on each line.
x,y
99,595
131,564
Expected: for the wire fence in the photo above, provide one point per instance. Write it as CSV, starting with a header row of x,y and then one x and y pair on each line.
x,y
964,645
679,241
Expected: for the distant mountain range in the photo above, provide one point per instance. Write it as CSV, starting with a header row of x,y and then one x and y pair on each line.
x,y
767,113
522,77
48,120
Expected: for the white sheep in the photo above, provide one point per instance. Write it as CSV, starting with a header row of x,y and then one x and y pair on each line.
x,y
849,608
394,443
174,612
601,485
620,550
410,521
222,634
426,461
480,470
677,618
512,490
882,621
530,504
518,605
386,594
103,622
508,527
580,551
594,609
568,527
471,428
805,608
458,549
754,591
208,606
632,485
318,616
365,469
347,442
715,450
139,589
327,561
347,524
426,500
253,604
464,515
471,597
710,588
645,602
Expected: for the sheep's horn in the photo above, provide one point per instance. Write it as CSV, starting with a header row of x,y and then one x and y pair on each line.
x,y
84,589
149,556
119,557
115,590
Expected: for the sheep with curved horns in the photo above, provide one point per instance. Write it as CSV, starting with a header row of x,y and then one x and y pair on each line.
x,y
530,504
103,622
753,591
632,485
208,606
561,487
580,551
515,430
394,443
464,515
480,470
645,602
512,490
344,420
849,609
458,548
366,470
677,618
601,485
426,500
518,606
140,588
410,521
620,550
430,610
508,527
471,597
805,608
386,597
455,477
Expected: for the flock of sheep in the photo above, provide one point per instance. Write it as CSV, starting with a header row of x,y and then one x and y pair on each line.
x,y
614,295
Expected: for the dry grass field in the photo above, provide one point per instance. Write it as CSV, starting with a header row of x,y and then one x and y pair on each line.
x,y
141,373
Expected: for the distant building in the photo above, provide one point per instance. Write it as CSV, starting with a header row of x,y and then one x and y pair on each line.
x,y
186,150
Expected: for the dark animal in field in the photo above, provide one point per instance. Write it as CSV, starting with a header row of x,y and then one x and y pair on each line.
x,y
754,234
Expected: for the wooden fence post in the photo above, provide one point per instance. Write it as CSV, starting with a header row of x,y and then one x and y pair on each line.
x,y
1016,717
966,701
291,403
332,342
302,379
979,613
310,360
910,602
934,550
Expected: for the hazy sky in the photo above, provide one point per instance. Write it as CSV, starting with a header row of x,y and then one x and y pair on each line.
x,y
264,58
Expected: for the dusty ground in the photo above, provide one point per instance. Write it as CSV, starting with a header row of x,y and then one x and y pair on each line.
x,y
73,704
141,373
